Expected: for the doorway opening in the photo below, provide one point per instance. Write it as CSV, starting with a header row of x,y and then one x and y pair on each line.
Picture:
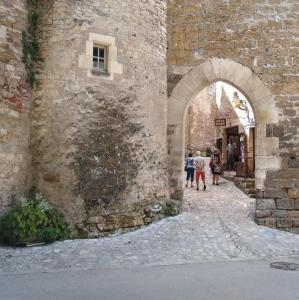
x,y
220,117
263,106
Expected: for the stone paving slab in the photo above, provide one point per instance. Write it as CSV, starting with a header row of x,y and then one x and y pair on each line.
x,y
216,225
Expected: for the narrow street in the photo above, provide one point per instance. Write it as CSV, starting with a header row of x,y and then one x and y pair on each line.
x,y
216,225
233,280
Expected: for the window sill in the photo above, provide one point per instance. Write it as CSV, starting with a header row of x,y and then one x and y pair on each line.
x,y
99,73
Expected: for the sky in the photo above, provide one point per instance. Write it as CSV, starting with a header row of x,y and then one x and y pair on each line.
x,y
229,90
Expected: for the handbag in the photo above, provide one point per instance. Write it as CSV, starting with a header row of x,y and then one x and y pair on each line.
x,y
186,168
217,168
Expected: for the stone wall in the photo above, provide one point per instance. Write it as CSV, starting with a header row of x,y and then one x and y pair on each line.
x,y
200,121
14,105
262,36
98,141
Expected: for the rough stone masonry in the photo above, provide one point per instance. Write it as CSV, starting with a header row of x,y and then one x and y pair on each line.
x,y
95,144
262,36
15,103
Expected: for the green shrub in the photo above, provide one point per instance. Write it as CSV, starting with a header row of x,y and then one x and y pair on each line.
x,y
33,220
47,235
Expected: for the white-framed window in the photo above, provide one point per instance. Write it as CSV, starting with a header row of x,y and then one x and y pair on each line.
x,y
99,58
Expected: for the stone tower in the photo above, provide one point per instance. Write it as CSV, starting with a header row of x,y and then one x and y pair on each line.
x,y
15,102
99,115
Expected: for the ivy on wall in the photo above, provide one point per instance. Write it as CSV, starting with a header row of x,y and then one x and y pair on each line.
x,y
30,41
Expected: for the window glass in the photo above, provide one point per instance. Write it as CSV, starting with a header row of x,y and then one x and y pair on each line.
x,y
102,53
99,58
95,63
95,51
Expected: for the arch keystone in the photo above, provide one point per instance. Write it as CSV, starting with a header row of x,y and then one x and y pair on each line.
x,y
235,73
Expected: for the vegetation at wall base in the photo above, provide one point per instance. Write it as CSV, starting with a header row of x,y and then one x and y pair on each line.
x,y
33,220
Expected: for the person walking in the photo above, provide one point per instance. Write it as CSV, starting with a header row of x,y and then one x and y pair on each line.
x,y
231,155
215,165
200,170
190,168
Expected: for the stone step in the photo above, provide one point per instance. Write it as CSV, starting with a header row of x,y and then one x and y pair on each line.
x,y
247,185
251,195
250,185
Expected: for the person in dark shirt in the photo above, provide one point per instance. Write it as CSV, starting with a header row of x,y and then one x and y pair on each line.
x,y
190,167
215,165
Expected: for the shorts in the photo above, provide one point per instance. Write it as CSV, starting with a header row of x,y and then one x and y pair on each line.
x,y
190,174
201,174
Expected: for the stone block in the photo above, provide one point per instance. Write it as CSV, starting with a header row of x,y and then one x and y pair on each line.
x,y
182,93
293,214
260,221
208,70
275,193
267,147
259,184
278,131
284,223
296,203
265,204
296,223
147,220
259,194
285,203
263,213
293,193
198,76
270,222
268,162
94,220
232,70
293,162
285,183
3,133
3,31
176,111
278,213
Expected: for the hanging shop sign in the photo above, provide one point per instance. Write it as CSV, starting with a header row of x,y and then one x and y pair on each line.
x,y
220,122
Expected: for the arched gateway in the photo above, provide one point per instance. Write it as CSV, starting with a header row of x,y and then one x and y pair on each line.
x,y
260,97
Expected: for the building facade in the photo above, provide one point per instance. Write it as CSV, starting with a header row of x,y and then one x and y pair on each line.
x,y
200,130
100,134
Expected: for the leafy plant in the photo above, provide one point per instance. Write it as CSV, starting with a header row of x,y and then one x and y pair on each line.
x,y
30,41
33,220
48,235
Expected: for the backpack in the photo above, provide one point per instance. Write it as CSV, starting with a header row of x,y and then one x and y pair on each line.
x,y
189,163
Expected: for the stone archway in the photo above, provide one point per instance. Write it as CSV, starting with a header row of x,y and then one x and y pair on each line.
x,y
260,97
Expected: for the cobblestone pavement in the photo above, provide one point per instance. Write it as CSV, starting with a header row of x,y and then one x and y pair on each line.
x,y
216,225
